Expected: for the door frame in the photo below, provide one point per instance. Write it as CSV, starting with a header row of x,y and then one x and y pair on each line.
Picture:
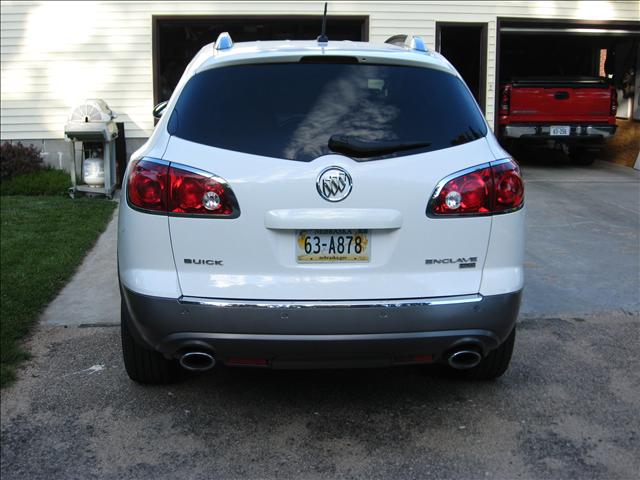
x,y
157,19
484,28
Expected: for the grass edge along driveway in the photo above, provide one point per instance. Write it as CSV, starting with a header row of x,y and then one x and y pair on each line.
x,y
42,242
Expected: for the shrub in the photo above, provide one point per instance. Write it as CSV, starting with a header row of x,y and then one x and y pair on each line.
x,y
16,159
48,181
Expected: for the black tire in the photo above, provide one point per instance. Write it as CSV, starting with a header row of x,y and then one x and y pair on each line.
x,y
143,365
582,156
493,365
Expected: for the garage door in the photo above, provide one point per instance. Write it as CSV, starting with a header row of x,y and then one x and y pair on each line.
x,y
177,39
565,49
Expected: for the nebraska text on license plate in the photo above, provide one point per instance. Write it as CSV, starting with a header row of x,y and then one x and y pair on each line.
x,y
332,246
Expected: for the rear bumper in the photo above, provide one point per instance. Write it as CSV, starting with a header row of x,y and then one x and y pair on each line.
x,y
322,334
578,132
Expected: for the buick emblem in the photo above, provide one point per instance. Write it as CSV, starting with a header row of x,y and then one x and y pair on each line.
x,y
334,184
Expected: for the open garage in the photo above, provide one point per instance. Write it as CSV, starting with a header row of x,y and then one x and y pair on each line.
x,y
553,72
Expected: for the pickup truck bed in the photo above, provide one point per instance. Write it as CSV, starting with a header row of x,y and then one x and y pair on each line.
x,y
577,111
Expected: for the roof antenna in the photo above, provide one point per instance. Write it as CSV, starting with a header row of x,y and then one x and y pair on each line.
x,y
323,36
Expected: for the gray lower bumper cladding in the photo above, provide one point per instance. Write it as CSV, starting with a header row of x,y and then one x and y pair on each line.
x,y
324,334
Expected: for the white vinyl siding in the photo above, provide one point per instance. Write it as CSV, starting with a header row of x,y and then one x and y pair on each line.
x,y
56,54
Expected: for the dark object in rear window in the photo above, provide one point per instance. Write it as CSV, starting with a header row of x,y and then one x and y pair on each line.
x,y
291,110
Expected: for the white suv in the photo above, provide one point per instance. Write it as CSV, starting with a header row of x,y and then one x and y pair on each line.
x,y
320,205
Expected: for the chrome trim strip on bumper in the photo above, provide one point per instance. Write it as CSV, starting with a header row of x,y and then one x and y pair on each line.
x,y
390,303
603,131
517,131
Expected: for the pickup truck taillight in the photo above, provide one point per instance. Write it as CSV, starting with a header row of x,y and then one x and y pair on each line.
x,y
505,100
483,190
613,109
159,187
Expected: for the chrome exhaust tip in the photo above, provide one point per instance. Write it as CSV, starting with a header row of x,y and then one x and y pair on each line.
x,y
197,361
464,359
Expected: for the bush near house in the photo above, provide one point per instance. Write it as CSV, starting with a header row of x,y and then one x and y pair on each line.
x,y
43,238
17,159
22,172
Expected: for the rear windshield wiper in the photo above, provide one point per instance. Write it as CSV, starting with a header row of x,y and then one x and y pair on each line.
x,y
361,148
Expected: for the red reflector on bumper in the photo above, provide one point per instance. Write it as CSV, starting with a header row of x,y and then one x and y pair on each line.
x,y
260,362
423,358
427,358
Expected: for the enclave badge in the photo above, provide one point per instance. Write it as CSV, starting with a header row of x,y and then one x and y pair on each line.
x,y
334,184
461,262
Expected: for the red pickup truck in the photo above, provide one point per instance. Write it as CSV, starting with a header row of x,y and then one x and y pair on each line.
x,y
576,114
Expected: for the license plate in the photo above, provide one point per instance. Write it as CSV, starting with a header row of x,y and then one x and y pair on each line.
x,y
559,131
332,246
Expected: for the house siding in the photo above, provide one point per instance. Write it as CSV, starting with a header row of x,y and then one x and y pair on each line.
x,y
56,54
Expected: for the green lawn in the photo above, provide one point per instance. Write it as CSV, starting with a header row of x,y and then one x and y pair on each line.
x,y
44,182
43,239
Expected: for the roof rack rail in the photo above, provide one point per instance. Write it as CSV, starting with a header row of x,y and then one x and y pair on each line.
x,y
413,42
223,42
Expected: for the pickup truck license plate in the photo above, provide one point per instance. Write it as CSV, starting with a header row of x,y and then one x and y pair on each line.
x,y
332,246
559,131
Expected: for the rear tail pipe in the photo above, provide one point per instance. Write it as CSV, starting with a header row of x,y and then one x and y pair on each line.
x,y
197,361
464,359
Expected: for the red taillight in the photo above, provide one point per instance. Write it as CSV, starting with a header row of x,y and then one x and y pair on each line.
x,y
613,108
193,193
470,193
159,187
505,100
489,189
147,186
508,187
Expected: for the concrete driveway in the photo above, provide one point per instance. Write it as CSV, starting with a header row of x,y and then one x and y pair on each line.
x,y
567,408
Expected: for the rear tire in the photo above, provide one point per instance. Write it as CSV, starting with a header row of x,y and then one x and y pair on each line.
x,y
143,365
493,365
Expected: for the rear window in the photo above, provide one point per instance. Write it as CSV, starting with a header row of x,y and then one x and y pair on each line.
x,y
292,110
